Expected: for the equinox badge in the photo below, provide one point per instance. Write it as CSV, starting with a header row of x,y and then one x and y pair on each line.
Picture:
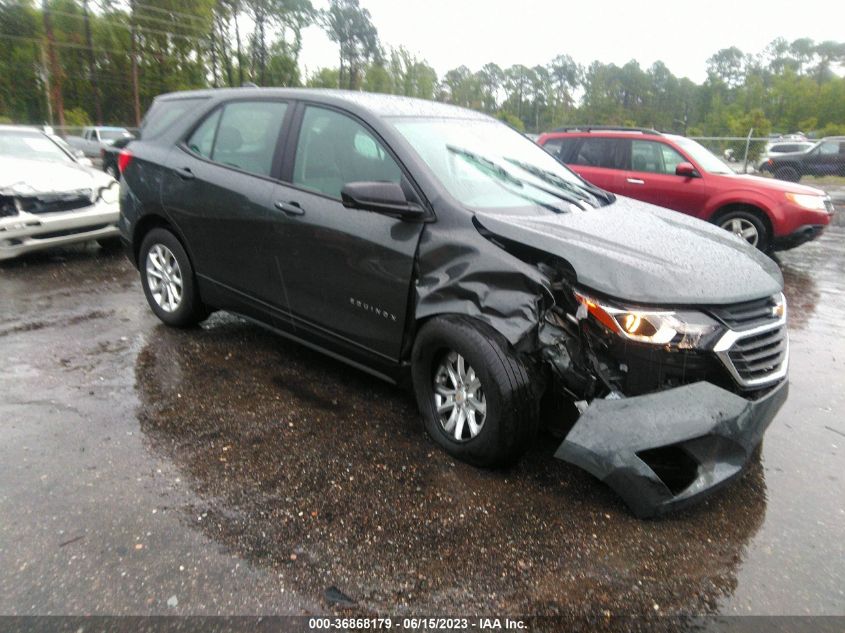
x,y
363,305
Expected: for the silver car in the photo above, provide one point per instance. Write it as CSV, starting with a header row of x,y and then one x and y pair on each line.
x,y
47,198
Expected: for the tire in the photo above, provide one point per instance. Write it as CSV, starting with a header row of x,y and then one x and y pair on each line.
x,y
789,174
161,249
743,222
511,406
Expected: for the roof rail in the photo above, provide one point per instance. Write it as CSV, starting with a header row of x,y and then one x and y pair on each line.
x,y
605,128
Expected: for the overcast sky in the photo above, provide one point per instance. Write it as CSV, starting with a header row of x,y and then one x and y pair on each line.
x,y
682,33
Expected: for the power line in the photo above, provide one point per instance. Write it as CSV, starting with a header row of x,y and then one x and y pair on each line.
x,y
106,16
192,38
149,7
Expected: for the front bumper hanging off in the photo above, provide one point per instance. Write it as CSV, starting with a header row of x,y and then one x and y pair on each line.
x,y
663,450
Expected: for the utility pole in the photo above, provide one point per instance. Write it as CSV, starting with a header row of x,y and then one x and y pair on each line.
x,y
45,76
55,70
214,55
133,54
92,64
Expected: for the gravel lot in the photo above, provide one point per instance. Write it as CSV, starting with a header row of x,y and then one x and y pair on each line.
x,y
223,470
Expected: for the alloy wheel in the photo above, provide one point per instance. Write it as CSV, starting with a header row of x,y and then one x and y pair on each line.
x,y
742,228
164,277
459,398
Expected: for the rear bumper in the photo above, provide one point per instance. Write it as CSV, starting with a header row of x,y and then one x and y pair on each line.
x,y
631,443
28,232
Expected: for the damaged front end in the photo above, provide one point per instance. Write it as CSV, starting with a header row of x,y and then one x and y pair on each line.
x,y
672,402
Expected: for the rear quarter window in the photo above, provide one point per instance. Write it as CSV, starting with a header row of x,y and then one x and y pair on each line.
x,y
165,113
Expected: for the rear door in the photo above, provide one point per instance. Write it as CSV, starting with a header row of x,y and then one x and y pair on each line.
x,y
651,178
347,273
598,160
218,192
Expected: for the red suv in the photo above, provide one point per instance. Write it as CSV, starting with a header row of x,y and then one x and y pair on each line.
x,y
679,173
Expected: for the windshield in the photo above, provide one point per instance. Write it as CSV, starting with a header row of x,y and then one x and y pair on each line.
x,y
706,159
31,146
486,165
113,135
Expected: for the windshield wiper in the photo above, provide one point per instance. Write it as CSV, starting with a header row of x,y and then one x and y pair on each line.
x,y
586,192
487,166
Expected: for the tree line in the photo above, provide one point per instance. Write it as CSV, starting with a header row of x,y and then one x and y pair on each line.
x,y
74,62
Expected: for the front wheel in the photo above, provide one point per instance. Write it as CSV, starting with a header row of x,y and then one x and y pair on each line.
x,y
746,225
168,280
473,391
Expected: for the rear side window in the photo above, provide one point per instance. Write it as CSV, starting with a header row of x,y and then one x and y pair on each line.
x,y
599,152
242,134
334,149
164,113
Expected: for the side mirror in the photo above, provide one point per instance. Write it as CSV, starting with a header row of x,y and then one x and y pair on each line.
x,y
686,170
386,198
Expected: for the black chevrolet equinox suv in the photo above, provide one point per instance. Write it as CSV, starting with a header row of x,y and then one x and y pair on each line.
x,y
435,246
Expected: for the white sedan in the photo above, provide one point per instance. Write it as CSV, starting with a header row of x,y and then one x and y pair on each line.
x,y
47,198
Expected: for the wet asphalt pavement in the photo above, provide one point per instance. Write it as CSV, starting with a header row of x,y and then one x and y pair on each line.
x,y
224,470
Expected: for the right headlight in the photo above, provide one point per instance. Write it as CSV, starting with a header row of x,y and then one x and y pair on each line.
x,y
110,194
681,329
808,201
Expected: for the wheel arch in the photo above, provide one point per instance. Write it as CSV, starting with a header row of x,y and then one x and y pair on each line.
x,y
147,223
749,207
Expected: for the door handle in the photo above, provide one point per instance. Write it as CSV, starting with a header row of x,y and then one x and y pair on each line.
x,y
185,173
291,208
636,181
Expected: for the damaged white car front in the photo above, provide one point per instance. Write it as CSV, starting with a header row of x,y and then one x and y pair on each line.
x,y
47,198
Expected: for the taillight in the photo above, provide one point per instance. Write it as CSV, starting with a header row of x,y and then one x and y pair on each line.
x,y
124,157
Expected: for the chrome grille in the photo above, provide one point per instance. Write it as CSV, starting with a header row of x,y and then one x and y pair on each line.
x,y
828,205
756,348
56,202
758,356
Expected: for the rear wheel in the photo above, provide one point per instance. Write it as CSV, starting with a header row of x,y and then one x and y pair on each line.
x,y
473,391
787,173
747,225
168,280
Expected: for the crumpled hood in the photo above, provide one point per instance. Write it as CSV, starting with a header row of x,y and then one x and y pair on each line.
x,y
29,177
645,254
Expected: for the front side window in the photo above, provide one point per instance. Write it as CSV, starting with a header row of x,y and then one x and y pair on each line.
x,y
241,134
829,148
654,157
334,149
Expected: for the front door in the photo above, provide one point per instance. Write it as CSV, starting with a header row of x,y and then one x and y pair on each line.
x,y
651,178
347,273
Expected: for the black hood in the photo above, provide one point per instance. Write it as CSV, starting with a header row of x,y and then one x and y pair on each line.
x,y
641,253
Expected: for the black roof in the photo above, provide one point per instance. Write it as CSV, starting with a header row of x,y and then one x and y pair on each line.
x,y
378,104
